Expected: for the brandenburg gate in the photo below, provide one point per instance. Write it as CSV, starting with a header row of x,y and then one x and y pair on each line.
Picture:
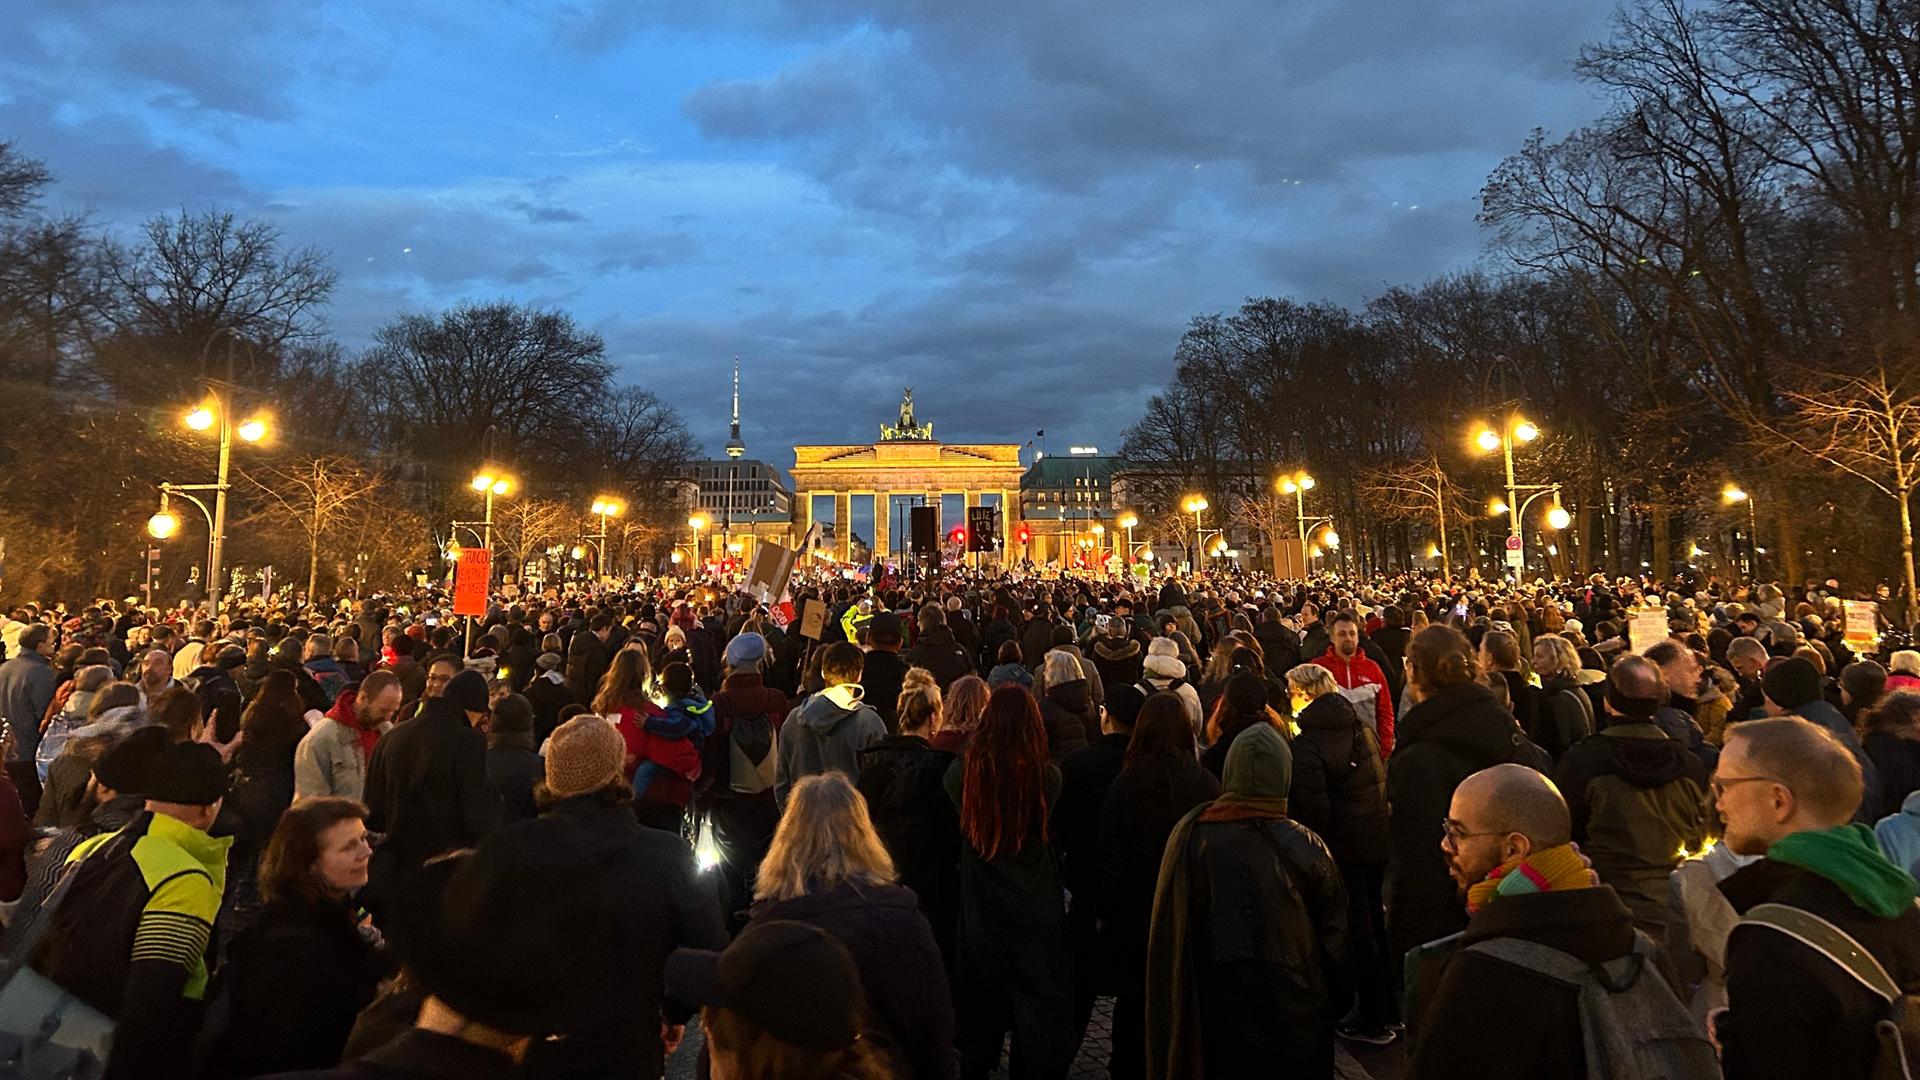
x,y
859,496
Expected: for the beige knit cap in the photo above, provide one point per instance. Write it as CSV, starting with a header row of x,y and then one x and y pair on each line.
x,y
585,754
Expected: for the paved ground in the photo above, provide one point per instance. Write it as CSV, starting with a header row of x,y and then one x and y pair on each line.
x,y
1364,1063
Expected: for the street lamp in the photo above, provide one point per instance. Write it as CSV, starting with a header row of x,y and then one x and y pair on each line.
x,y
490,481
1196,505
1732,495
1127,521
697,522
1489,440
217,410
1297,485
604,507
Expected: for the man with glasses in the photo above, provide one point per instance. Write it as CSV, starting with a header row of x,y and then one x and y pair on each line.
x,y
1500,997
1824,915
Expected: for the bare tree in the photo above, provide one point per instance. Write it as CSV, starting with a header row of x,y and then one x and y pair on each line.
x,y
21,179
313,495
524,526
1867,427
1417,490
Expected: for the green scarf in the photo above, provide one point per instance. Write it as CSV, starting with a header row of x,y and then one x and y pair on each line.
x,y
1850,857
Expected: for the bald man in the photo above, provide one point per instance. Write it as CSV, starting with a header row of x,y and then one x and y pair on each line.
x,y
1786,789
1507,841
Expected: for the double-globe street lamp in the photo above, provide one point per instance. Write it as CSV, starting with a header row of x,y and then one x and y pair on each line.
x,y
1197,505
1516,429
217,411
604,507
1297,485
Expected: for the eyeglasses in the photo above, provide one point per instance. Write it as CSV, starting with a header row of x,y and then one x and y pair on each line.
x,y
1452,832
1719,784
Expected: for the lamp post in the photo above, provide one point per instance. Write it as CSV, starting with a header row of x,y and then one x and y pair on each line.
x,y
217,409
696,522
1196,505
489,482
1297,485
1516,429
604,507
1128,521
1731,495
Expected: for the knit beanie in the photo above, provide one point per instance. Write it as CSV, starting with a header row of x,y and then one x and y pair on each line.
x,y
1259,764
468,690
1791,683
127,766
1163,646
190,774
548,661
746,651
585,754
1247,694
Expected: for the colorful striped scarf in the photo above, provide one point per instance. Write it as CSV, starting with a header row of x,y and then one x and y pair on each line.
x,y
1550,870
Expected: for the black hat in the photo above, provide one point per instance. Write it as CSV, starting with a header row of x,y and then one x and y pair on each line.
x,y
1791,683
1123,703
468,690
524,941
127,765
794,980
1246,693
189,774
886,626
231,657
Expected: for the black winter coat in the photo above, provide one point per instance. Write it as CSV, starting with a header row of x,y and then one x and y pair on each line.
x,y
1465,996
1142,806
1897,761
1072,721
912,1007
1441,741
1280,646
1085,777
880,677
1036,638
1339,782
547,698
1790,1011
1562,715
940,653
586,662
512,771
427,791
903,780
294,981
1117,659
656,902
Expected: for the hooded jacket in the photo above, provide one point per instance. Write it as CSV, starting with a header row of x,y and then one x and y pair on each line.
x,y
1637,798
1117,659
1339,782
1899,835
940,653
1072,721
1451,735
1791,1011
826,731
1169,673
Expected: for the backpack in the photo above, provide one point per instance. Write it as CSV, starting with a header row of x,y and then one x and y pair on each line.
x,y
1899,1031
1632,1026
752,753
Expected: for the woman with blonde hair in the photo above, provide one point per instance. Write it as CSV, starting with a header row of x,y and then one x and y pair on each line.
x,y
828,868
960,713
1563,714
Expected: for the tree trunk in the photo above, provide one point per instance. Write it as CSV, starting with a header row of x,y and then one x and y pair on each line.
x,y
1906,544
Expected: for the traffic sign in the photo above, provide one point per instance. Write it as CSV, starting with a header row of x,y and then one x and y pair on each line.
x,y
1513,543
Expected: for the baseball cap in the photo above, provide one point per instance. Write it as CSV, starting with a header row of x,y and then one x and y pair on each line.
x,y
795,981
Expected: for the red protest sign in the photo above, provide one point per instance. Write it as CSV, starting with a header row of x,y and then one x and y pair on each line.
x,y
470,576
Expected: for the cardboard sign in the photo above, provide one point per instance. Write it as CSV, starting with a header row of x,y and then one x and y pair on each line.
x,y
1647,627
813,619
471,573
772,565
1863,623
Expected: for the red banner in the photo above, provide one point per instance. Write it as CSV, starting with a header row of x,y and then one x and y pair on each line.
x,y
471,572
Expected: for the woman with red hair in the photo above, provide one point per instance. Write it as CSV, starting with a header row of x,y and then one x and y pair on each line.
x,y
1011,970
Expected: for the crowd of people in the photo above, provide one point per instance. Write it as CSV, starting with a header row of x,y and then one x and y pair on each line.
x,y
364,839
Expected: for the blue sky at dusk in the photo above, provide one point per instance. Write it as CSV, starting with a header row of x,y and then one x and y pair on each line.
x,y
1013,207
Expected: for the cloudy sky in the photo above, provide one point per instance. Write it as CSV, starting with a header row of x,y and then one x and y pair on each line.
x,y
1014,207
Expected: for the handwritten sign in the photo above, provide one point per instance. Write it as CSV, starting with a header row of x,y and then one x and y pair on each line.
x,y
1647,627
471,574
1863,623
813,618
